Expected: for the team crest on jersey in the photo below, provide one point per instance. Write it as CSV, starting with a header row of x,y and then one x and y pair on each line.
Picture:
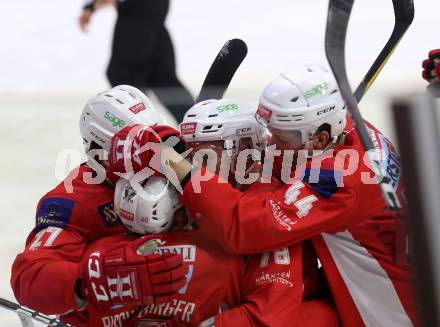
x,y
54,212
108,215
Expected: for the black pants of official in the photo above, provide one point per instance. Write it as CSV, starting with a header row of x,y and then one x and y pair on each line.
x,y
143,54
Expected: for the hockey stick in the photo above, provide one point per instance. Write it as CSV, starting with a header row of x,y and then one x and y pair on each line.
x,y
26,312
336,30
222,70
403,17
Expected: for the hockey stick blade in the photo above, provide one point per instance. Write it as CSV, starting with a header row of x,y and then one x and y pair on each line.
x,y
26,312
223,69
335,35
403,17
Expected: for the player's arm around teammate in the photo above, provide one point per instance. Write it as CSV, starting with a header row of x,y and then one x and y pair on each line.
x,y
334,199
48,274
223,130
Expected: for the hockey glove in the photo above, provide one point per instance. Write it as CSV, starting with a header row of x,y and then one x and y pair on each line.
x,y
431,67
136,147
126,274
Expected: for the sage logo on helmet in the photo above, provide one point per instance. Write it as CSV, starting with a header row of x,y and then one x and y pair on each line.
x,y
318,89
117,122
303,100
227,120
110,111
227,107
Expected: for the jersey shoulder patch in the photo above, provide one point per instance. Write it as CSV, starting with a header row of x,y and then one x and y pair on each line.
x,y
324,182
108,215
54,211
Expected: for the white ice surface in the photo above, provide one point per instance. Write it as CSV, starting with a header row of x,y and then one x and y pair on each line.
x,y
48,69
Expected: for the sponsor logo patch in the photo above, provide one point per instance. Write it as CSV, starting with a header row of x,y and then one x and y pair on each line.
x,y
227,107
263,112
54,212
280,216
108,215
188,128
129,193
137,108
319,89
126,215
116,121
390,161
187,251
279,277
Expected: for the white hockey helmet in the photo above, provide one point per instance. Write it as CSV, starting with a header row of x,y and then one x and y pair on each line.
x,y
110,111
229,120
303,101
149,211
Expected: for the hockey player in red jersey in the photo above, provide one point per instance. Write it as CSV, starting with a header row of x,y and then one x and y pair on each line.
x,y
223,130
46,275
334,200
220,289
258,290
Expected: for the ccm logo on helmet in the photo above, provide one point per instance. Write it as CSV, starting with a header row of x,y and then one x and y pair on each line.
x,y
137,108
117,122
323,111
243,131
264,112
188,128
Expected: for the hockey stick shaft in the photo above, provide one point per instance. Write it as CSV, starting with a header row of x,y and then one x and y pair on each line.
x,y
337,23
403,17
222,70
26,312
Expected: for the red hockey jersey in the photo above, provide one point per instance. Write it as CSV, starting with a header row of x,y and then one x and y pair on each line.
x,y
258,290
44,274
67,219
338,205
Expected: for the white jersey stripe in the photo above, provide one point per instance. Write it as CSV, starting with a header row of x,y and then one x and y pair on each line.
x,y
368,283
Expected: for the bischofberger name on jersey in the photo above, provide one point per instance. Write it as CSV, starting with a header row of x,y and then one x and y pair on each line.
x,y
187,251
181,309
